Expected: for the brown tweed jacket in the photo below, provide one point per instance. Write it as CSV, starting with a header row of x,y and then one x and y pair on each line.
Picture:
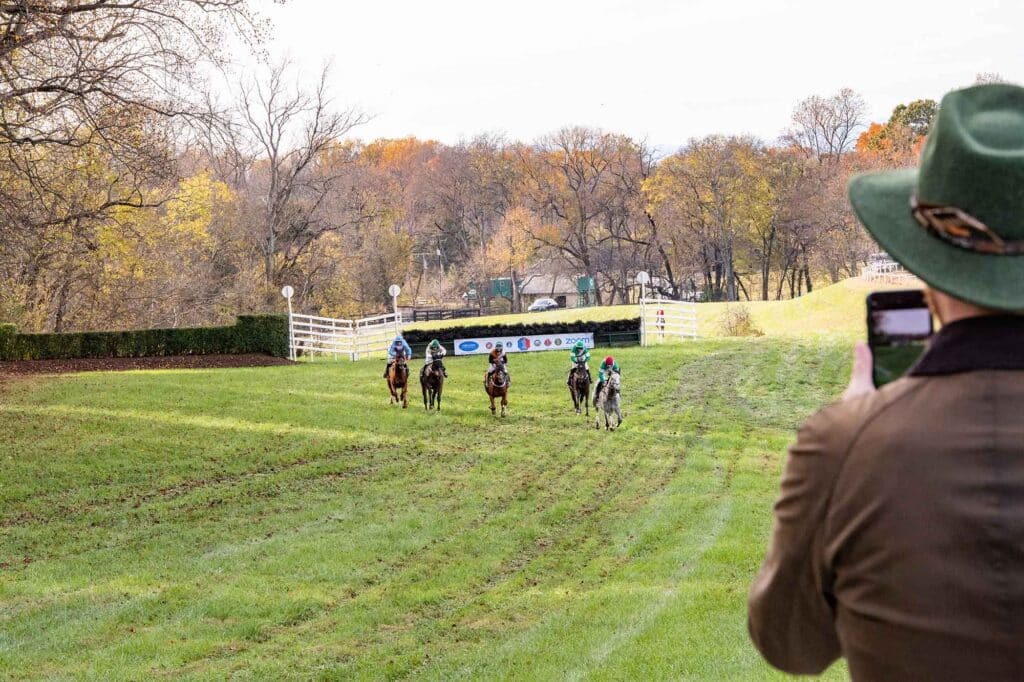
x,y
898,539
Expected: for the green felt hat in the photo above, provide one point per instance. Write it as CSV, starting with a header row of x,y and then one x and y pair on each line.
x,y
967,238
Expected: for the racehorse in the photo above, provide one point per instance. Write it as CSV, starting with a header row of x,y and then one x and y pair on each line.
x,y
608,402
579,387
432,382
398,379
497,387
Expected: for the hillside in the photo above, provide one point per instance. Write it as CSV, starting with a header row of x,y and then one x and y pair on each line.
x,y
836,310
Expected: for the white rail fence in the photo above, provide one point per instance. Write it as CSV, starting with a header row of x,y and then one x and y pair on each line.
x,y
312,336
662,321
884,269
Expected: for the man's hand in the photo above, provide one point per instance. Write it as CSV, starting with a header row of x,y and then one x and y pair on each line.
x,y
861,382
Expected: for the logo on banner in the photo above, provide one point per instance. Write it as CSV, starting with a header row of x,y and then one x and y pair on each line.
x,y
468,346
523,344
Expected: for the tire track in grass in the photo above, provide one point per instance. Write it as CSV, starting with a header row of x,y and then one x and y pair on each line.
x,y
464,597
715,522
714,526
584,522
464,601
643,618
519,642
439,556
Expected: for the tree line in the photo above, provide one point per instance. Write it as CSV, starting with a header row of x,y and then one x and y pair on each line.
x,y
136,192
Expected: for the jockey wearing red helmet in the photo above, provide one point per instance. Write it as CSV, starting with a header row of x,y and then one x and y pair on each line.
x,y
604,371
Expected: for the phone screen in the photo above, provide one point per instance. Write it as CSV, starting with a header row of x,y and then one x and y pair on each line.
x,y
899,326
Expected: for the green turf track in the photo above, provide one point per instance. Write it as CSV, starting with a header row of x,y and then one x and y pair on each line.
x,y
286,522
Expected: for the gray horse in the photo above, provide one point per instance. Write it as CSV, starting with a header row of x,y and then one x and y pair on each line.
x,y
608,402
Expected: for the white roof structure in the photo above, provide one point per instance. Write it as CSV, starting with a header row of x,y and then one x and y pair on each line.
x,y
548,285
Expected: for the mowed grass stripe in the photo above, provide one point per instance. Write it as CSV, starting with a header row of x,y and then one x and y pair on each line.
x,y
350,539
607,615
552,501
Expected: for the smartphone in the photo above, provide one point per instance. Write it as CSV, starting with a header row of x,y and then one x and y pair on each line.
x,y
899,326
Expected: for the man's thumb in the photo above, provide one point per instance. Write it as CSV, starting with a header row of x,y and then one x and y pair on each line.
x,y
861,381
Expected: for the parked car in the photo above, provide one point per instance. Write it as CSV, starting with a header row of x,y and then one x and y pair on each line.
x,y
542,304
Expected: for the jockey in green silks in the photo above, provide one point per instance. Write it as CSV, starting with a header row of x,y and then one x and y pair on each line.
x,y
435,351
579,353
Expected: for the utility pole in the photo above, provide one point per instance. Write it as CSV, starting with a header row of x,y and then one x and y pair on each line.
x,y
440,276
512,271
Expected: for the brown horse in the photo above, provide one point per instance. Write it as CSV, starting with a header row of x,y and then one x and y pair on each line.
x,y
398,380
579,388
497,387
432,382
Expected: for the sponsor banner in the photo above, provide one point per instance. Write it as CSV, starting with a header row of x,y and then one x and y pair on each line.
x,y
522,344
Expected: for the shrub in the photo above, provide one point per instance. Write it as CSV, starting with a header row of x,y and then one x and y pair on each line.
x,y
738,321
7,334
250,334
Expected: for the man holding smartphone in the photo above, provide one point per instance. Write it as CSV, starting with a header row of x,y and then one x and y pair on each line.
x,y
898,539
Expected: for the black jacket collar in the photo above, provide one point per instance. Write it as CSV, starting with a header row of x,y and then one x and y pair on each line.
x,y
976,343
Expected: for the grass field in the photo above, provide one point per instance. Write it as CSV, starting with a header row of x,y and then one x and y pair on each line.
x,y
836,311
287,523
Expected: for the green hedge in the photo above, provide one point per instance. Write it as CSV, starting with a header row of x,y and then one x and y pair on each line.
x,y
266,334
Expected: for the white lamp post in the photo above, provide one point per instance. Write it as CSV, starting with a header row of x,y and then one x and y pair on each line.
x,y
287,291
643,279
395,290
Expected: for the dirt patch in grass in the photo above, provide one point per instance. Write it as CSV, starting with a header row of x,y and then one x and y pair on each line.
x,y
21,367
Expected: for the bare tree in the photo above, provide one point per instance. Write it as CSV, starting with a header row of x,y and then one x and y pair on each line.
x,y
567,181
297,136
103,75
827,127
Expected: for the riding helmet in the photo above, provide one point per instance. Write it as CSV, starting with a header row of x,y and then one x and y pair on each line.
x,y
609,361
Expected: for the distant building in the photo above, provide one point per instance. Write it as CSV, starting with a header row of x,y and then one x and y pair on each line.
x,y
568,292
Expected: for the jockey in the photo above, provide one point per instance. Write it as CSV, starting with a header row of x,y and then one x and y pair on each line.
x,y
498,360
435,351
578,353
603,372
397,346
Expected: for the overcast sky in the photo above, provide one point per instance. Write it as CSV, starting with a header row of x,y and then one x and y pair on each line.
x,y
663,70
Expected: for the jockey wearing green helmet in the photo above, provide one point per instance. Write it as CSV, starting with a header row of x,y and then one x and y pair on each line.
x,y
435,351
579,353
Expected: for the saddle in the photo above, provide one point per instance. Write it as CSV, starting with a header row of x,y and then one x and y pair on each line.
x,y
499,372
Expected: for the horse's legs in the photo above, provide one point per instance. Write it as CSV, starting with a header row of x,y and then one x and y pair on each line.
x,y
492,402
575,399
504,403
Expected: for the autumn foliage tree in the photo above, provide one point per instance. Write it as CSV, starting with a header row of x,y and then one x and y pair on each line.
x,y
164,224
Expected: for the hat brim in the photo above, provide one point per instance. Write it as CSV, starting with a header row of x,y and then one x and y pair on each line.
x,y
882,202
